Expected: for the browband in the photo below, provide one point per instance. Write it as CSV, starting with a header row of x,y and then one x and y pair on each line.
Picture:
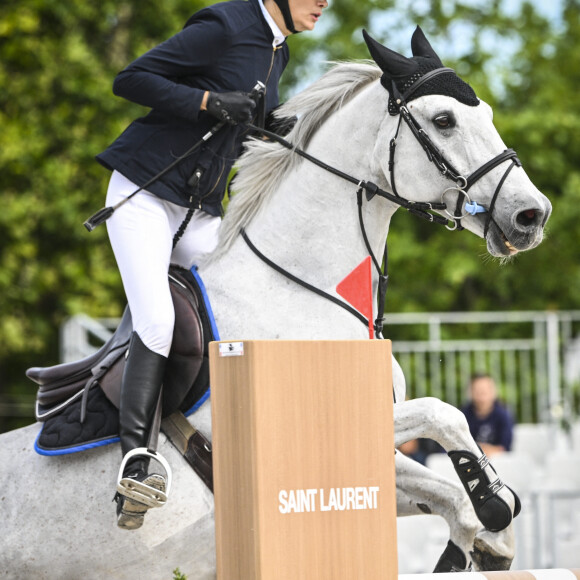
x,y
401,99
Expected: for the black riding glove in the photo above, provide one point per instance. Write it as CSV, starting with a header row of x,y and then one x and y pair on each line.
x,y
234,108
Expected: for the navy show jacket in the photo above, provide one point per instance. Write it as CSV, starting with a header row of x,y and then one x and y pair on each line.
x,y
225,47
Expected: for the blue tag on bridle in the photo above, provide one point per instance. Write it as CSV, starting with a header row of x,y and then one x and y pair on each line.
x,y
473,207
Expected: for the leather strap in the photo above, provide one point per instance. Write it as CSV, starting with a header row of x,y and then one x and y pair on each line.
x,y
156,426
300,282
193,445
199,456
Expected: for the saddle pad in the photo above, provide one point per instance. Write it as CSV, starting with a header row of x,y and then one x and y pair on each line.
x,y
64,432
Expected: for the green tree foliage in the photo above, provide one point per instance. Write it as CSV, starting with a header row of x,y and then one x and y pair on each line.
x,y
532,89
57,64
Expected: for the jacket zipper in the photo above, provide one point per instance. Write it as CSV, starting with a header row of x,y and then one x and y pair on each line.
x,y
275,49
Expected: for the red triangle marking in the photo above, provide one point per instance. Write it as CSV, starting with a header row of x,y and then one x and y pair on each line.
x,y
357,290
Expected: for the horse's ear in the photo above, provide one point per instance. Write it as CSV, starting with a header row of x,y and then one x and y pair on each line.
x,y
421,47
390,62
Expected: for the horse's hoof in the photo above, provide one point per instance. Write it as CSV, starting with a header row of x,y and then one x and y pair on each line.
x,y
131,513
492,510
452,560
485,559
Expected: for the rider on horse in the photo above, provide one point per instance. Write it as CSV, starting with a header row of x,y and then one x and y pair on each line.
x,y
196,83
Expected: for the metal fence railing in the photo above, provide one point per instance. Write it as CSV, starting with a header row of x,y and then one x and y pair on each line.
x,y
533,356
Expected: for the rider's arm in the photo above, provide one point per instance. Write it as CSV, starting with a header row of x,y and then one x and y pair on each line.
x,y
165,77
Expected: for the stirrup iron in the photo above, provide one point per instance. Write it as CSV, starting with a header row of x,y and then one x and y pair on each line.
x,y
141,492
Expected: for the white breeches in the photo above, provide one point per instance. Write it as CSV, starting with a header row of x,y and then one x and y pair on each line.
x,y
141,234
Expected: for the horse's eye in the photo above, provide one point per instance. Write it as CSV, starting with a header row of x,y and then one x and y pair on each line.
x,y
444,121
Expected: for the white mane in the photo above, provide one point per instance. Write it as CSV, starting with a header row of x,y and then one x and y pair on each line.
x,y
264,164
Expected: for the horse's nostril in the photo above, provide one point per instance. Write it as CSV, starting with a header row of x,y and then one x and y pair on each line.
x,y
528,217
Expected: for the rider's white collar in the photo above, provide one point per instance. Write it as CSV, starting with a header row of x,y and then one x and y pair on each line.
x,y
279,38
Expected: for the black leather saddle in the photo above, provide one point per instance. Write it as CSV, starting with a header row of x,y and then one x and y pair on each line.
x,y
187,372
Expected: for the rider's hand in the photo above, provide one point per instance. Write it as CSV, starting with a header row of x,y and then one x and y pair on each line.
x,y
236,107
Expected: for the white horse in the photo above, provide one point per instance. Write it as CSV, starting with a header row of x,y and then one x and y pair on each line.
x,y
57,517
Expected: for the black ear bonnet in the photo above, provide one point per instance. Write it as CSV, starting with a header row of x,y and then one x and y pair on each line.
x,y
405,72
449,85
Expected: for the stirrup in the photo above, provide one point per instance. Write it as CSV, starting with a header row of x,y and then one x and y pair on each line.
x,y
141,492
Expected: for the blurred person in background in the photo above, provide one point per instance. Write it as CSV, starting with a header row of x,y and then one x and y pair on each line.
x,y
490,423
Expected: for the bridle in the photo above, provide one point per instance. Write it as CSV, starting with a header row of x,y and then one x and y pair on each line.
x,y
421,209
445,167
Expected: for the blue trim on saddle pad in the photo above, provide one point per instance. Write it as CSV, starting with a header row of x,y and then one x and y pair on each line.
x,y
75,449
214,330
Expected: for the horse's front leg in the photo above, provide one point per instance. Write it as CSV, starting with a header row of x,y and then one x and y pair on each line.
x,y
422,491
495,504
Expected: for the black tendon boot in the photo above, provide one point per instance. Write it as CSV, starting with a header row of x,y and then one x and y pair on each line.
x,y
493,512
141,386
452,560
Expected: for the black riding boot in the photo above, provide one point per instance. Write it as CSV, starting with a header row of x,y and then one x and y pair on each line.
x,y
140,389
142,380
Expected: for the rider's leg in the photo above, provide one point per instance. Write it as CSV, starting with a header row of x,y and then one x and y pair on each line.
x,y
141,234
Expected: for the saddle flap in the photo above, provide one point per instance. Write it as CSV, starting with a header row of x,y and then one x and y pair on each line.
x,y
186,355
67,373
187,349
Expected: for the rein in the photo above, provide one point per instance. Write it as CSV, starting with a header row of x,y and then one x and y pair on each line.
x,y
300,282
420,209
417,208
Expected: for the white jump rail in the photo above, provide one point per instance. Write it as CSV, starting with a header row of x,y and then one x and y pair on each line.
x,y
557,574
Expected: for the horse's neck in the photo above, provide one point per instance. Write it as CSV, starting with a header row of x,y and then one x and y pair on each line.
x,y
311,225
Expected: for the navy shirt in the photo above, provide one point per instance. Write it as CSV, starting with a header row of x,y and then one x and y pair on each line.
x,y
225,47
496,428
